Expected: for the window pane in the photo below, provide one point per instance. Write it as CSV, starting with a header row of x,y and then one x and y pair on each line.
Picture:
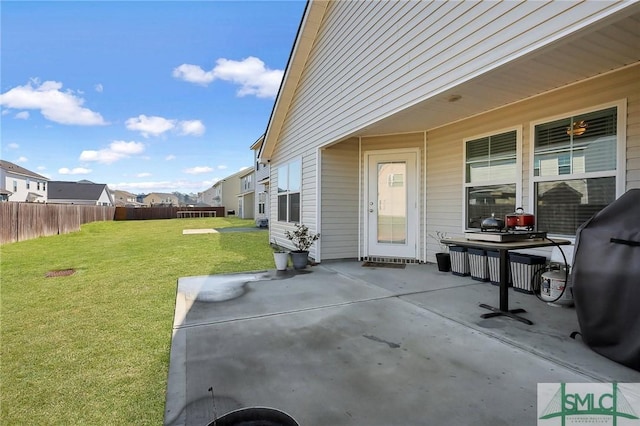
x,y
283,179
580,144
294,176
282,208
492,158
482,201
478,150
294,207
562,206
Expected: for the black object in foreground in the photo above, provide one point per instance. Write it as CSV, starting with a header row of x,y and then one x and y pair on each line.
x,y
255,416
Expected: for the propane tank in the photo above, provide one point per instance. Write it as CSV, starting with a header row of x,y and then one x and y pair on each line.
x,y
554,289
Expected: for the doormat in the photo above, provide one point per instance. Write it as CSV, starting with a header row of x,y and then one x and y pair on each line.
x,y
384,265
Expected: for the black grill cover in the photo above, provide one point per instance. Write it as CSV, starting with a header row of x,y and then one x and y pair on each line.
x,y
606,280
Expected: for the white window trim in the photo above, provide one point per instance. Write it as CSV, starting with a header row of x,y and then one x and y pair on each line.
x,y
518,177
277,212
621,147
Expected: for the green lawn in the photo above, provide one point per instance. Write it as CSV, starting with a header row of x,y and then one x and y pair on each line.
x,y
93,347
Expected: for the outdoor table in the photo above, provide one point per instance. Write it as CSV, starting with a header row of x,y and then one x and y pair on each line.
x,y
503,248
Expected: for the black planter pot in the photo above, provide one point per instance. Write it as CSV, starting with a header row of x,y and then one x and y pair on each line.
x,y
299,259
444,262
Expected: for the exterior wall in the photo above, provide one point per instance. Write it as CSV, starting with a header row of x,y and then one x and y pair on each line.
x,y
340,200
308,195
22,192
105,199
229,194
445,195
160,198
372,59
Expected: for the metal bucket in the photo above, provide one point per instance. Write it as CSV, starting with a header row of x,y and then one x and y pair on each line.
x,y
553,289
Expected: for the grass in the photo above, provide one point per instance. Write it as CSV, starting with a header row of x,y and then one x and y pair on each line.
x,y
93,347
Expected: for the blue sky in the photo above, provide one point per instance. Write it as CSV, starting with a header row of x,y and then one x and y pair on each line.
x,y
146,96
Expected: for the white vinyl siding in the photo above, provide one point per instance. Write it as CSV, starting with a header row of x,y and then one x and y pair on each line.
x,y
372,59
339,201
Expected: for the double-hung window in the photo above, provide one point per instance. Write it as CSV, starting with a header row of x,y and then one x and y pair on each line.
x,y
491,176
289,179
575,167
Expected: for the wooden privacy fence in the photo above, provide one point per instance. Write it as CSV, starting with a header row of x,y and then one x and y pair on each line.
x,y
147,213
25,221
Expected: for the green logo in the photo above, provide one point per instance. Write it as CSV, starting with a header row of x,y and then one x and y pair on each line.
x,y
606,406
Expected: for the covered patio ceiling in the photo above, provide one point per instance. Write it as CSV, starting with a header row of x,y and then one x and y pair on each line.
x,y
596,50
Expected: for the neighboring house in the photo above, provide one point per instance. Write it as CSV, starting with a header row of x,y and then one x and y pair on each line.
x,y
161,198
82,192
206,197
20,184
246,197
399,119
261,209
225,192
125,199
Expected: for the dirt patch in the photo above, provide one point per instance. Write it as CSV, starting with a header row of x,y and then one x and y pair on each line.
x,y
60,273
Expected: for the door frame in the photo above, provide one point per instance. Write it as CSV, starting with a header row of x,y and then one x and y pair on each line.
x,y
365,197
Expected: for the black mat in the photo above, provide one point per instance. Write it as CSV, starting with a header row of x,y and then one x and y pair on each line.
x,y
384,265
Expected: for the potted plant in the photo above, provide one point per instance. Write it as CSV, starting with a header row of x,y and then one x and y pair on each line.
x,y
442,257
280,256
302,240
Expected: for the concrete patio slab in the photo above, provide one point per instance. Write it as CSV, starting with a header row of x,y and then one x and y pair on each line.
x,y
199,231
346,345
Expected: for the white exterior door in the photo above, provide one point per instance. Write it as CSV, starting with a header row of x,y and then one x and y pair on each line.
x,y
391,203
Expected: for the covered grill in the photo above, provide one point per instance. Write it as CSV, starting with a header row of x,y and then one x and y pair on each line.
x,y
606,280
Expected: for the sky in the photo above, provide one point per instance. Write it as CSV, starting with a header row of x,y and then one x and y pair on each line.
x,y
145,96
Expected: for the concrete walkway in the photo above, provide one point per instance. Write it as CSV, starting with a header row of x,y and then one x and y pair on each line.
x,y
341,344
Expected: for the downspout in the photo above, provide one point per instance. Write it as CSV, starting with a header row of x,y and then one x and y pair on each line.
x,y
360,242
318,204
424,199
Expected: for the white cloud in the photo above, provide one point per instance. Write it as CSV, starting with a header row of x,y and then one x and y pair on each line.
x,y
74,171
54,104
191,127
222,167
150,125
99,88
41,168
170,157
143,174
156,126
22,115
13,145
22,159
251,74
117,150
198,170
193,74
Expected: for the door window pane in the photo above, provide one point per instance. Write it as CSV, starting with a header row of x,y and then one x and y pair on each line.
x,y
392,203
